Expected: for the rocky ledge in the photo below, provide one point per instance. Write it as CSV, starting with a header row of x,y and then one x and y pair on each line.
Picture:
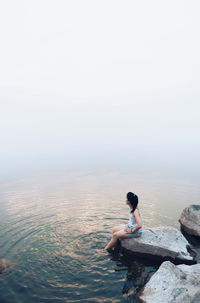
x,y
190,220
172,283
165,243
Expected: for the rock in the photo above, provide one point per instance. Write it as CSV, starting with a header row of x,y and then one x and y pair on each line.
x,y
172,283
2,265
190,220
165,242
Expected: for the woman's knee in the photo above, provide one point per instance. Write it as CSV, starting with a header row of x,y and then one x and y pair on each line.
x,y
115,229
115,235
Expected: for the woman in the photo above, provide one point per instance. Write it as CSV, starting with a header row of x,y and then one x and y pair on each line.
x,y
134,226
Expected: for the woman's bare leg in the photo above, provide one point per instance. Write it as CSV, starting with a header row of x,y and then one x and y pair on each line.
x,y
118,228
115,237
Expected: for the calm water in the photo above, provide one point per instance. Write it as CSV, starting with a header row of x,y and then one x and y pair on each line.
x,y
53,230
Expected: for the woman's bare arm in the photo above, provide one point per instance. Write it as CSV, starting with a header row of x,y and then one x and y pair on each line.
x,y
138,220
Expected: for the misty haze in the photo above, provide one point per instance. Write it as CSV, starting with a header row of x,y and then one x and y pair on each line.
x,y
97,98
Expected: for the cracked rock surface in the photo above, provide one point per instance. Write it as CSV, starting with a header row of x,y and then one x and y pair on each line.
x,y
173,283
190,220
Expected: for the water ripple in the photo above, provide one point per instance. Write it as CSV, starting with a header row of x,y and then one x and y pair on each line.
x,y
53,233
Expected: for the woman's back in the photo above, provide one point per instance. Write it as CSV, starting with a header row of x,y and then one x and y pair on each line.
x,y
132,221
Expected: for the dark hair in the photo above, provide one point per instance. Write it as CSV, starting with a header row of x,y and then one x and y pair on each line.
x,y
133,199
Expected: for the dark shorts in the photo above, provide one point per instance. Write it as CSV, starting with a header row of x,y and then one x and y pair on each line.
x,y
136,234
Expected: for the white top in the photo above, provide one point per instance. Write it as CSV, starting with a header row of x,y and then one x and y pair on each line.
x,y
132,221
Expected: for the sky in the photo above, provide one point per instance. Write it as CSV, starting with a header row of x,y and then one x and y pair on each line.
x,y
111,85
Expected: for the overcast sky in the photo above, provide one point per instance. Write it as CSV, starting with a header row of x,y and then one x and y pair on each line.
x,y
92,84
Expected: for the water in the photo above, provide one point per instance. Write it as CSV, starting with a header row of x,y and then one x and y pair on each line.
x,y
53,230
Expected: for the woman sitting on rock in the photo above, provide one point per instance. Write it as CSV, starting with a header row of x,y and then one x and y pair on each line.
x,y
134,226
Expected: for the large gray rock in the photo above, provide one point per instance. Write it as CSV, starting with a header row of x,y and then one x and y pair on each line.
x,y
172,284
190,220
165,242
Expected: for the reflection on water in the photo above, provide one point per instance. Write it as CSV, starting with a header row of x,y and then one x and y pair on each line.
x,y
53,230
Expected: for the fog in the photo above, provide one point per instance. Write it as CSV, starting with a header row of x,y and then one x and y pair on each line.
x,y
100,85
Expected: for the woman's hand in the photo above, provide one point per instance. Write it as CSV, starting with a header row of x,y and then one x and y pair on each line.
x,y
128,230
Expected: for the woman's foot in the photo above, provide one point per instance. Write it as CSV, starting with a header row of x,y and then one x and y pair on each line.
x,y
108,249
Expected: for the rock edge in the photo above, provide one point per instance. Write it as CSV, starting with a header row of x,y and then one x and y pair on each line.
x,y
163,242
